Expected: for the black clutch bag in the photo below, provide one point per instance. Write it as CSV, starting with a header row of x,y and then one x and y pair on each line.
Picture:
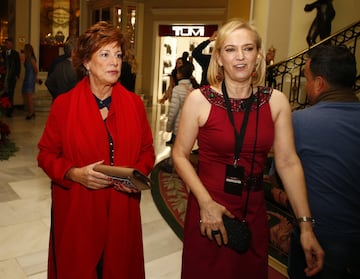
x,y
239,234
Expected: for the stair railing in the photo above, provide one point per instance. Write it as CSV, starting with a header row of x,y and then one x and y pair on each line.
x,y
287,76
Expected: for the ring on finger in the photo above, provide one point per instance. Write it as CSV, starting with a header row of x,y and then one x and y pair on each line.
x,y
215,232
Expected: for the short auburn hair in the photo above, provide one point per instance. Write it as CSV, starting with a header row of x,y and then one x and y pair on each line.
x,y
98,35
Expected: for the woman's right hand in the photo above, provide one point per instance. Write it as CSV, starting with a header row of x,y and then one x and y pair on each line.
x,y
88,177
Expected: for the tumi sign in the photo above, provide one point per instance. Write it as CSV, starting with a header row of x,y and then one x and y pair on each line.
x,y
187,30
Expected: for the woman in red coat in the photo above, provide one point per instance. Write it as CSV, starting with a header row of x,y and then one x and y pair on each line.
x,y
96,228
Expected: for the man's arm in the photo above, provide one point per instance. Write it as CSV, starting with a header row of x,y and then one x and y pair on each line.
x,y
197,52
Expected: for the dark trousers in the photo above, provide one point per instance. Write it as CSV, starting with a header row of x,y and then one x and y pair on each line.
x,y
342,258
9,91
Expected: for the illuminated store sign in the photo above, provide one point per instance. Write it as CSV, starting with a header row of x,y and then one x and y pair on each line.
x,y
187,30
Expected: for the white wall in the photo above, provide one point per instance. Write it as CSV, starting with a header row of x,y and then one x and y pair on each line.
x,y
284,23
273,28
347,12
260,17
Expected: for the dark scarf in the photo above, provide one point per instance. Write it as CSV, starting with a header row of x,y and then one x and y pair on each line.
x,y
337,95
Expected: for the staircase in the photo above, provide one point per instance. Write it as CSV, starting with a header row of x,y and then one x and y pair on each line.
x,y
287,76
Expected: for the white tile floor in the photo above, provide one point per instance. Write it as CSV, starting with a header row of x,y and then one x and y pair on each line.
x,y
25,208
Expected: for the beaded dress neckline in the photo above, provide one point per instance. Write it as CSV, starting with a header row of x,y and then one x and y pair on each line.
x,y
217,99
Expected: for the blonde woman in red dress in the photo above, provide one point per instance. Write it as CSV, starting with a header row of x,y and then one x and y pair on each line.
x,y
222,184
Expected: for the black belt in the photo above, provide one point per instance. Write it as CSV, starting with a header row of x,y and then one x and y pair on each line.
x,y
253,183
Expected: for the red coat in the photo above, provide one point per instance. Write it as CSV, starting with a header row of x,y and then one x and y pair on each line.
x,y
90,225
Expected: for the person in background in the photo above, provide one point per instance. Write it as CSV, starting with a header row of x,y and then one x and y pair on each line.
x,y
96,225
327,137
193,80
173,79
227,176
13,67
63,77
30,78
2,68
269,59
129,69
180,61
67,53
203,59
179,94
270,56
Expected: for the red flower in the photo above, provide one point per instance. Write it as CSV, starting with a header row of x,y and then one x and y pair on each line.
x,y
5,102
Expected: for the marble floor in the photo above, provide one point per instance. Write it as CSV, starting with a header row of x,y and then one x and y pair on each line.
x,y
25,207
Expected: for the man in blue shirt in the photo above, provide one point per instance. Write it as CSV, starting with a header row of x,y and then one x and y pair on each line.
x,y
327,138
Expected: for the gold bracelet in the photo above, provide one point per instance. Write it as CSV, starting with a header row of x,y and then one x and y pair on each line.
x,y
306,219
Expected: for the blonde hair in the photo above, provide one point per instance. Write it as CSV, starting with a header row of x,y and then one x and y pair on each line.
x,y
215,73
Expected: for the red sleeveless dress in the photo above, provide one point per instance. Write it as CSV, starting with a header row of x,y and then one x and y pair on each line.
x,y
203,258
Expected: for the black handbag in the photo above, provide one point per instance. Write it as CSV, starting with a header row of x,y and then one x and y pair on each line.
x,y
239,234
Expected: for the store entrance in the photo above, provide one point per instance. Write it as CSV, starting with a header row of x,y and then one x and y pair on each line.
x,y
172,47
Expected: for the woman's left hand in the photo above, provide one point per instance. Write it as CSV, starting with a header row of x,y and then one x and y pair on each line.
x,y
314,254
211,223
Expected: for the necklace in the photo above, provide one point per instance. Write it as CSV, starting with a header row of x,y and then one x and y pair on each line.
x,y
103,103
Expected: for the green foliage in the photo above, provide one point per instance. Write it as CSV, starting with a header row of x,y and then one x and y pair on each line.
x,y
7,149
